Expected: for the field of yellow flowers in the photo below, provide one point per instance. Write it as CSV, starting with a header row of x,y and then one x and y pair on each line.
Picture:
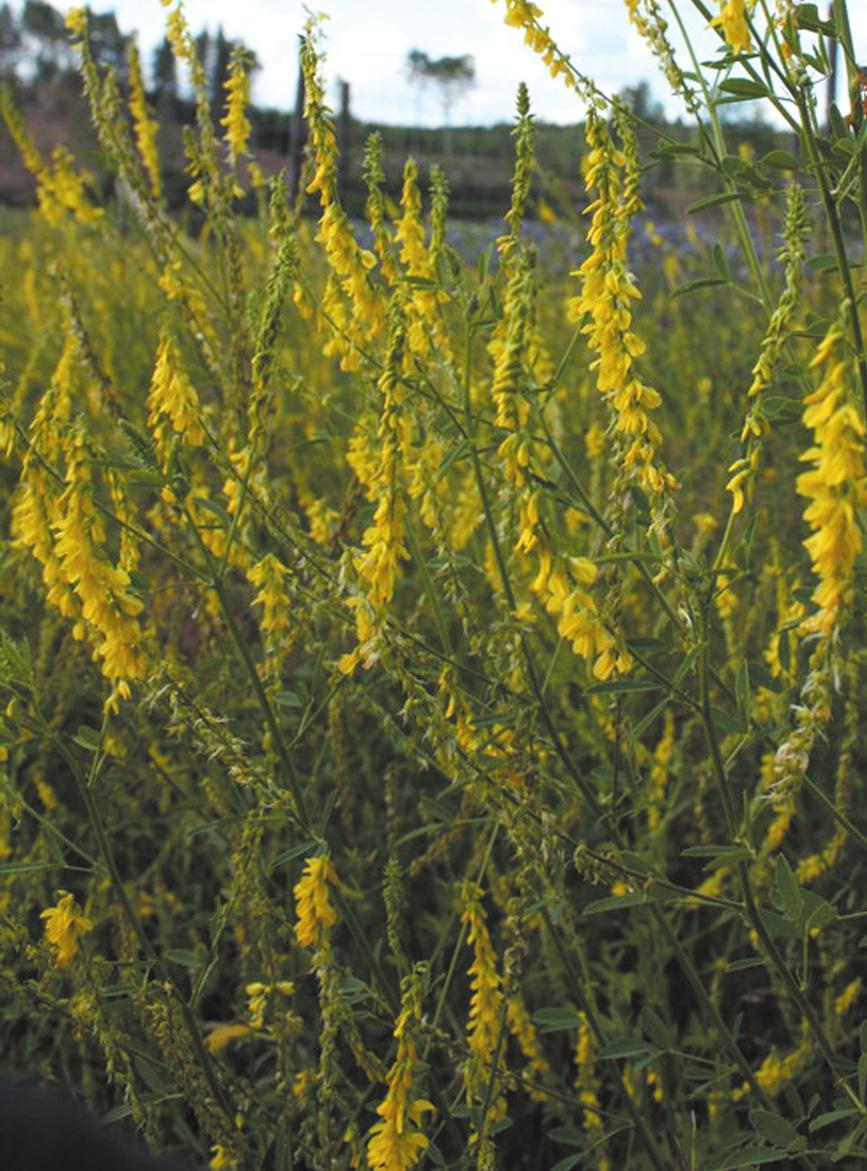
x,y
431,688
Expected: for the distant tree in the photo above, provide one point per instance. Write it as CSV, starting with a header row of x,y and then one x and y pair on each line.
x,y
44,40
452,76
10,42
107,43
221,55
204,51
642,103
165,72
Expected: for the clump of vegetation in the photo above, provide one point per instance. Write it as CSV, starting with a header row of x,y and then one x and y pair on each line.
x,y
431,692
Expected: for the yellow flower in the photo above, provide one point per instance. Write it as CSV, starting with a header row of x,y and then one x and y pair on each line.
x,y
64,925
836,484
219,1037
237,125
733,21
313,908
847,998
395,1143
172,398
76,21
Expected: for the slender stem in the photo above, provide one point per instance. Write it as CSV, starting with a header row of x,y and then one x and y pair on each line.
x,y
85,788
577,991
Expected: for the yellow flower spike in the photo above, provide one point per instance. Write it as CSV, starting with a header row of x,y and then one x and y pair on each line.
x,y
396,1143
237,86
835,486
145,127
172,400
315,914
847,998
64,926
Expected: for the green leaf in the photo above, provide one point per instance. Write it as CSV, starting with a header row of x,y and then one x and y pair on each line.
x,y
87,738
724,721
569,1136
714,201
745,964
28,867
214,508
556,1020
185,957
635,862
745,88
720,855
631,1047
751,1156
789,898
721,264
862,1075
818,912
830,1117
779,160
669,149
115,1115
435,1155
619,686
773,1128
614,903
293,852
568,1163
654,1027
808,18
778,925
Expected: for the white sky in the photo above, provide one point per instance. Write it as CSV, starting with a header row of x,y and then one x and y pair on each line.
x,y
368,42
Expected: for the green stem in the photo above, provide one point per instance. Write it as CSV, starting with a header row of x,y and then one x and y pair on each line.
x,y
577,991
85,788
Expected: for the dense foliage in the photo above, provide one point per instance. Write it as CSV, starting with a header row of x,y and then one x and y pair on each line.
x,y
431,681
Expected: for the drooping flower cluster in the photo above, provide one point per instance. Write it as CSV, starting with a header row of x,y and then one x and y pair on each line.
x,y
268,576
608,292
236,122
836,484
486,1007
314,912
379,469
173,405
350,264
523,15
396,1143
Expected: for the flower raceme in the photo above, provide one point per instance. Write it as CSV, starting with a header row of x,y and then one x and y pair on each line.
x,y
608,290
173,404
236,122
396,1143
315,914
836,483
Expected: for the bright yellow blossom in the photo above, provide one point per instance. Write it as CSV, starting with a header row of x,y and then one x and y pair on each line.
x,y
64,925
315,914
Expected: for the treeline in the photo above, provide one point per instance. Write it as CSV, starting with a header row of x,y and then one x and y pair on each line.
x,y
35,49
37,61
